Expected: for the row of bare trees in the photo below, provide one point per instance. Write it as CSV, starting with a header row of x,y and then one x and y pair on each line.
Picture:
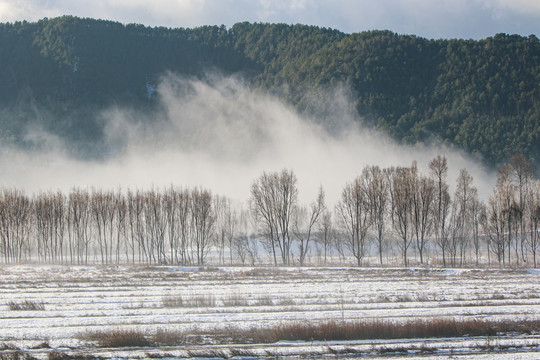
x,y
176,225
512,216
383,214
402,209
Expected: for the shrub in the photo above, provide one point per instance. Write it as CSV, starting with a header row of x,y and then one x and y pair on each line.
x,y
26,305
119,338
194,301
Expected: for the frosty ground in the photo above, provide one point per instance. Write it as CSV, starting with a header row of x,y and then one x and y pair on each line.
x,y
75,302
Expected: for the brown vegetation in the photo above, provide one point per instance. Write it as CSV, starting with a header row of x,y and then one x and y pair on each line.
x,y
325,331
26,305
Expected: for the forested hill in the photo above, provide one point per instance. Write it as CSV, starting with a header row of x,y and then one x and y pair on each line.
x,y
482,96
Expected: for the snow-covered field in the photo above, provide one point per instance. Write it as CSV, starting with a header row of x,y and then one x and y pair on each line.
x,y
81,299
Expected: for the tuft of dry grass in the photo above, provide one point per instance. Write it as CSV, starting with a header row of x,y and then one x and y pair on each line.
x,y
26,305
171,301
264,300
159,355
164,337
207,300
16,355
238,352
60,355
178,301
235,300
118,338
208,354
8,346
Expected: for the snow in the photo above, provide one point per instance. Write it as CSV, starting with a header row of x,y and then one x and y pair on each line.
x,y
79,299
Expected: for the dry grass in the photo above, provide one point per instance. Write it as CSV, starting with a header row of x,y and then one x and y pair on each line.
x,y
8,346
172,301
235,300
59,355
26,305
238,352
118,338
334,330
195,301
264,300
159,355
164,337
360,330
17,355
327,331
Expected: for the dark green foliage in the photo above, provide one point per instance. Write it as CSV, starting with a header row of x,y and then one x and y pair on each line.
x,y
482,96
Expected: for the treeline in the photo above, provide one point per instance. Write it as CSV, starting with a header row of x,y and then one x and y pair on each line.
x,y
173,226
383,215
482,96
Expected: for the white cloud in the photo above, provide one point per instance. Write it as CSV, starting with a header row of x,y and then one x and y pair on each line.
x,y
429,18
30,10
526,7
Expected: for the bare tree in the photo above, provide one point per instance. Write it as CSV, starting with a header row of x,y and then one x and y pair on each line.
x,y
439,172
137,243
422,203
156,225
377,192
465,196
326,231
244,244
79,231
120,208
533,205
304,223
273,202
401,183
15,220
506,196
477,214
184,216
262,205
43,225
231,225
202,221
454,233
494,226
522,175
222,209
103,212
59,212
354,216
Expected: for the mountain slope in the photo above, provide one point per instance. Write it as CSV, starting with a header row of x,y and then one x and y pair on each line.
x,y
482,96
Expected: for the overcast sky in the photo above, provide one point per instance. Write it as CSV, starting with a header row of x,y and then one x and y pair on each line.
x,y
428,18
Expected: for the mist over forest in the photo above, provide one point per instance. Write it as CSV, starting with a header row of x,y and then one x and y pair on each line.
x,y
93,102
65,77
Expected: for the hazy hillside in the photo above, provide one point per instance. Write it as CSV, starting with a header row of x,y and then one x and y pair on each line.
x,y
482,96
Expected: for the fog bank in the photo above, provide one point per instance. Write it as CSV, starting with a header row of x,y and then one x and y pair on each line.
x,y
221,134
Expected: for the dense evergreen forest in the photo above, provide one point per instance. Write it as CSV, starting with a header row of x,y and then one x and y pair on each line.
x,y
481,96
